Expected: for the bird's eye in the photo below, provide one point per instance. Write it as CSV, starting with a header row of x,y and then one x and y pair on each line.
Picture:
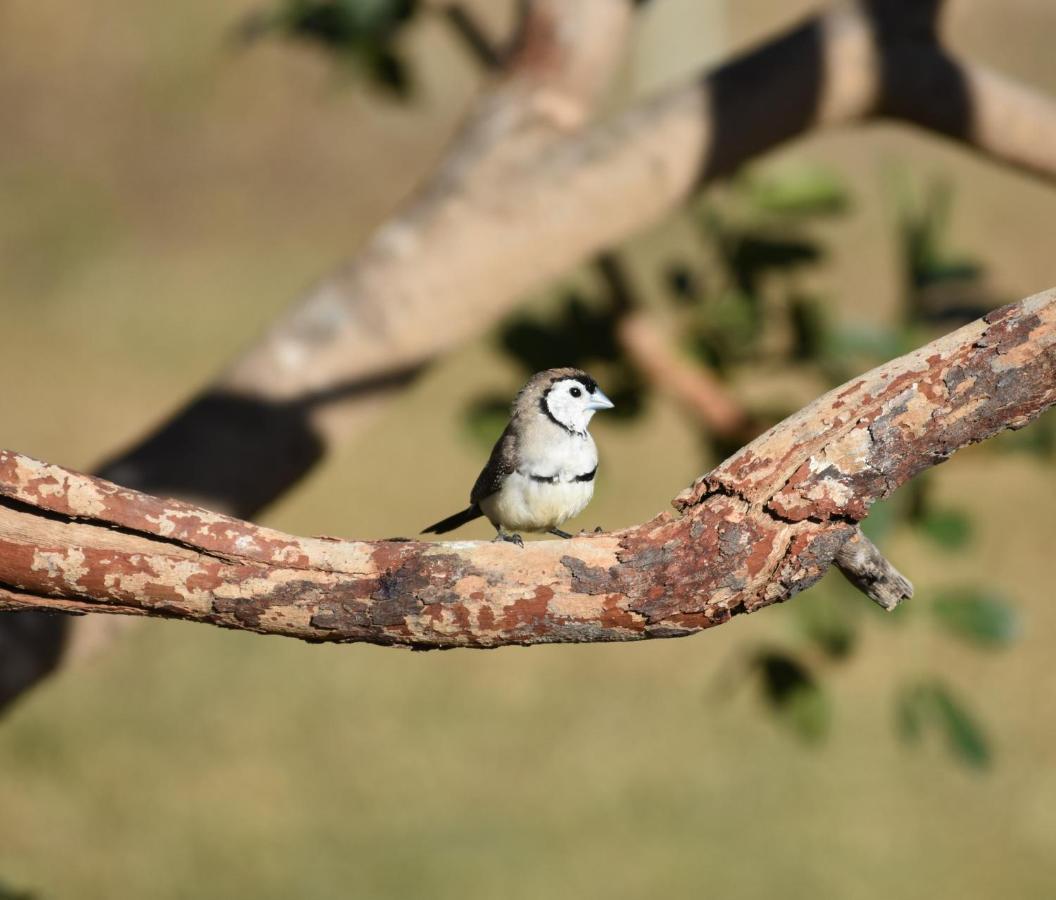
x,y
576,392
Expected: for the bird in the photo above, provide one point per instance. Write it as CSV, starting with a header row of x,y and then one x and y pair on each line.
x,y
541,470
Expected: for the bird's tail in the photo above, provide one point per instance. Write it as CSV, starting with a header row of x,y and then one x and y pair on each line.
x,y
452,522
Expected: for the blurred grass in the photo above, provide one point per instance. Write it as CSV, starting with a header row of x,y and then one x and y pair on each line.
x,y
160,199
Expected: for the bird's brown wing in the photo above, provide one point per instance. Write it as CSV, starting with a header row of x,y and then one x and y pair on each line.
x,y
501,463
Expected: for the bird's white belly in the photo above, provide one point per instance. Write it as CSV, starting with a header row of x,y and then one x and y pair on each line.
x,y
523,504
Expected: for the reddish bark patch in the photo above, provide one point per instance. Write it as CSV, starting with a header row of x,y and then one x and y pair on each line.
x,y
615,616
528,614
757,560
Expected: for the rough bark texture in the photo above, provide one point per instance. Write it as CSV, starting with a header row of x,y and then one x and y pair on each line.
x,y
862,563
764,525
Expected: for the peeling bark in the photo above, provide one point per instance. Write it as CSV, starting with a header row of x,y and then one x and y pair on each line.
x,y
761,527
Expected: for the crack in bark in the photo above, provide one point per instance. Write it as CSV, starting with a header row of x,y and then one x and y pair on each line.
x,y
162,541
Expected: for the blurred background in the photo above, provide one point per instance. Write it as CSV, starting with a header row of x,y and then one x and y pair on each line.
x,y
166,189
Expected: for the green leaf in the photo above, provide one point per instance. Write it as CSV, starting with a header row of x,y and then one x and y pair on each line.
x,y
727,329
799,192
951,529
1038,438
872,342
931,703
364,33
794,695
9,893
939,271
485,418
825,620
810,327
909,714
684,283
579,331
757,253
964,735
389,71
977,616
808,714
882,518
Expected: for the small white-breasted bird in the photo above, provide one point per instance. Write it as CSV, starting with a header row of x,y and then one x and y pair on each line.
x,y
541,470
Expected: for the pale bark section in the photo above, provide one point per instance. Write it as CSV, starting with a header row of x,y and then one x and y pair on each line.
x,y
862,563
762,526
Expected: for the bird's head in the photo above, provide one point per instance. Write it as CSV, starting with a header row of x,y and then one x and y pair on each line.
x,y
568,397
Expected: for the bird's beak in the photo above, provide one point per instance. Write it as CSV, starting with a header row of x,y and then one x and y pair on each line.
x,y
598,400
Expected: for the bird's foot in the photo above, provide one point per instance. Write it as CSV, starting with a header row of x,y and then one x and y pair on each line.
x,y
508,538
597,530
557,532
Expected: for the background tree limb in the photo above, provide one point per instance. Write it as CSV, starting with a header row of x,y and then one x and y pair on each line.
x,y
519,201
759,528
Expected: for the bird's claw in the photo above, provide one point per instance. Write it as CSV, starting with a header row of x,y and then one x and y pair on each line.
x,y
509,539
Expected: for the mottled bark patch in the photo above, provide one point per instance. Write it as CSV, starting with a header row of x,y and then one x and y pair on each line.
x,y
527,614
808,558
590,579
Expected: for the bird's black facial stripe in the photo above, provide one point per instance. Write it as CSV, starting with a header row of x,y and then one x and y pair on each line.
x,y
575,393
543,479
545,407
588,476
589,383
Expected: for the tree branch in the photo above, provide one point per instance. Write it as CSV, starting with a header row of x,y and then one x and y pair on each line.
x,y
764,525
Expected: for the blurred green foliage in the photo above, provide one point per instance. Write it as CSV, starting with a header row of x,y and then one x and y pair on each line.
x,y
949,528
746,300
930,704
794,695
743,301
364,33
9,893
976,616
